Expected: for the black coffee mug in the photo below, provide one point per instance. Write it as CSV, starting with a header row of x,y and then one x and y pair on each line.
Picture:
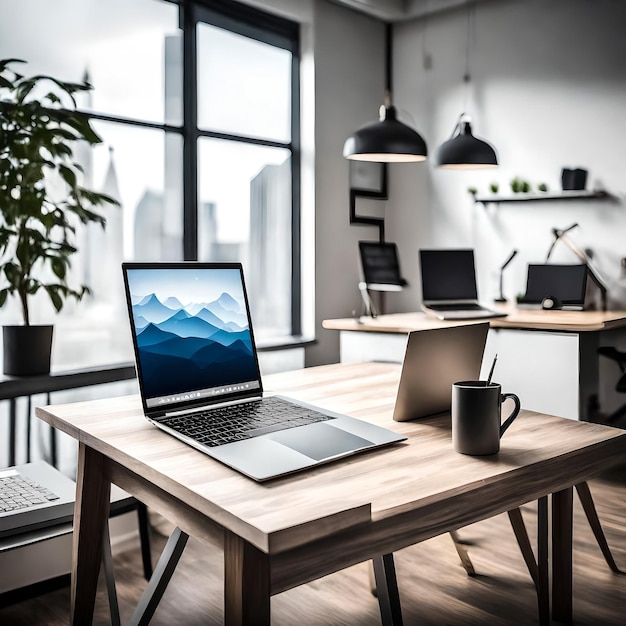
x,y
476,416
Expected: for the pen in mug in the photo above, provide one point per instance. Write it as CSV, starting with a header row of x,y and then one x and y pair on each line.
x,y
493,366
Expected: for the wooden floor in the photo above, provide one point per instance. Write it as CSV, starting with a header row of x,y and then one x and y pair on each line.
x,y
434,588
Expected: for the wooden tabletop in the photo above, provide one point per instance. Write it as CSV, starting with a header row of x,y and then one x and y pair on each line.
x,y
539,454
531,319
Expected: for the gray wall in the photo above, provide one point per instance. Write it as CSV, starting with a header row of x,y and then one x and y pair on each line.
x,y
343,82
349,84
548,89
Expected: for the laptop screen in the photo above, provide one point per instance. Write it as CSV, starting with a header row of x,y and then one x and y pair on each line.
x,y
191,332
448,275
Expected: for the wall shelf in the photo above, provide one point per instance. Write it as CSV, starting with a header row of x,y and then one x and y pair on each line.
x,y
542,195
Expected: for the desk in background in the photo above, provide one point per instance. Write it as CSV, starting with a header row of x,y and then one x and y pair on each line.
x,y
50,547
548,358
14,387
301,527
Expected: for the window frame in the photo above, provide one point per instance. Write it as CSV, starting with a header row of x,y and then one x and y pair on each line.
x,y
266,28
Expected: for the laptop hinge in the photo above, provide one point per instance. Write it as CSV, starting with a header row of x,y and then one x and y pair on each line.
x,y
200,407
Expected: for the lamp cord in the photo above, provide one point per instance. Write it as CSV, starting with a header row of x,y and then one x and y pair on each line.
x,y
388,59
466,74
457,126
467,77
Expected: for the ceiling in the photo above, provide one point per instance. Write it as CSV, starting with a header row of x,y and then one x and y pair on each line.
x,y
398,10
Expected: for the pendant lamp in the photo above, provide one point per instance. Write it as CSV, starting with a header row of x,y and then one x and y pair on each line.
x,y
386,141
464,151
389,140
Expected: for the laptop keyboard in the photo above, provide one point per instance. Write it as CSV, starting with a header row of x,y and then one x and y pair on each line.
x,y
20,492
236,422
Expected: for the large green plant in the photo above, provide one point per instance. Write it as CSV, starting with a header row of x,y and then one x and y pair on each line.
x,y
39,129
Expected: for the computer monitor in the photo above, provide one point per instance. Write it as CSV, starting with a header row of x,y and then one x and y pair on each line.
x,y
565,283
381,268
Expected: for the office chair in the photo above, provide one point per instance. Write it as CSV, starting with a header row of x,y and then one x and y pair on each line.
x,y
620,386
385,586
126,505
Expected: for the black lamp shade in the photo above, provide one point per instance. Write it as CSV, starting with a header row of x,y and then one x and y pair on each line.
x,y
464,151
387,141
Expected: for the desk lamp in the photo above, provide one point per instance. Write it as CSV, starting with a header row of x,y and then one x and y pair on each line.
x,y
511,257
369,309
561,235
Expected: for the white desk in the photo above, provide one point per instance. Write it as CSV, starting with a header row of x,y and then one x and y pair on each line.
x,y
549,358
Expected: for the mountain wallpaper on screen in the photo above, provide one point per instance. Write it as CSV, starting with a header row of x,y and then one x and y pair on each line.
x,y
198,345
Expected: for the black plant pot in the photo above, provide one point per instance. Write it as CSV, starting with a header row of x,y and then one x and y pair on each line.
x,y
26,350
573,179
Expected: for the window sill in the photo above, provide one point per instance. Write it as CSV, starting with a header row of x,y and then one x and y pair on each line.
x,y
271,344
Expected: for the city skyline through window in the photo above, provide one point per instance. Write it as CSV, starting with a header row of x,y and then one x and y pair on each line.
x,y
132,53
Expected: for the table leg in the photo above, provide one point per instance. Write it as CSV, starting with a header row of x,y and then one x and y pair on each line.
x,y
543,570
144,537
523,541
93,490
53,439
246,583
109,575
562,506
594,521
387,590
12,430
29,426
461,550
160,578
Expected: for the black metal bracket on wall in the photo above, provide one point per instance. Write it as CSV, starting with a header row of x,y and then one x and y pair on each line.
x,y
368,180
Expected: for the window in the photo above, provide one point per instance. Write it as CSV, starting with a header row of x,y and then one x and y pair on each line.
x,y
247,84
197,104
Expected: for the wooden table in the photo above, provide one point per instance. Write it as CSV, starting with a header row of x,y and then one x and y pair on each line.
x,y
299,528
549,358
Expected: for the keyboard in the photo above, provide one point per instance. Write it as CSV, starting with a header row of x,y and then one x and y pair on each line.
x,y
236,422
20,492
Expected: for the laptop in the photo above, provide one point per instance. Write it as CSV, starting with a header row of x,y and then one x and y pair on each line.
x,y
199,377
565,285
449,289
34,496
434,360
381,267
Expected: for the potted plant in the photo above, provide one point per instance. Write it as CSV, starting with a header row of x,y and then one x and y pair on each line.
x,y
39,128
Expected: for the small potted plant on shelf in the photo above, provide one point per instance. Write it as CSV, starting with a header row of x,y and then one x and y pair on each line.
x,y
42,202
519,185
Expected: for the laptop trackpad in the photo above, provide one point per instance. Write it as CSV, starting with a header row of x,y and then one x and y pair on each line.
x,y
320,441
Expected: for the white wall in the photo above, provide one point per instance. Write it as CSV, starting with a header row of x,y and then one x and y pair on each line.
x,y
548,89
